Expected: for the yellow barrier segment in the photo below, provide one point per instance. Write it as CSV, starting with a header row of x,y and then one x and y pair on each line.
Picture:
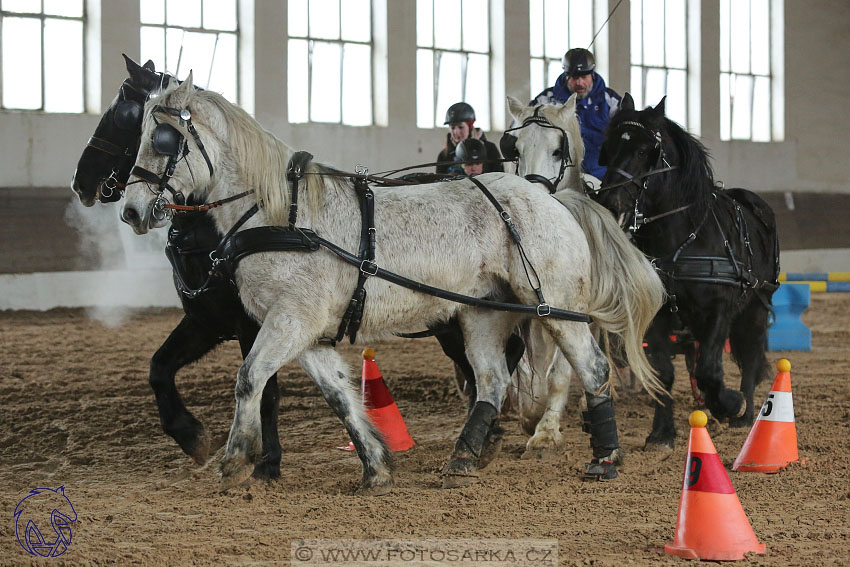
x,y
839,276
814,287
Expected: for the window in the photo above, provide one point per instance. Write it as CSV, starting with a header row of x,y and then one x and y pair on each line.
x,y
659,56
452,59
556,26
42,55
197,35
329,68
746,77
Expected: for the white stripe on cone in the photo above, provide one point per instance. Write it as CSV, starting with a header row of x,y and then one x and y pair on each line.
x,y
779,406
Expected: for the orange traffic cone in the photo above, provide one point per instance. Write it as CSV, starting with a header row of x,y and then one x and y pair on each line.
x,y
381,408
772,442
711,524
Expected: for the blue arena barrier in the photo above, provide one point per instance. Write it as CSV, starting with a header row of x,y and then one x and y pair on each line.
x,y
788,332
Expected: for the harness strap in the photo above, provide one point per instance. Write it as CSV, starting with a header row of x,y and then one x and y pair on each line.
x,y
542,307
106,146
353,315
402,281
294,172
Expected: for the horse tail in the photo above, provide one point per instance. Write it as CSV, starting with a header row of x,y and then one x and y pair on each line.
x,y
626,292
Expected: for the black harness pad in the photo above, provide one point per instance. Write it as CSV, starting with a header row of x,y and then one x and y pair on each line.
x,y
265,239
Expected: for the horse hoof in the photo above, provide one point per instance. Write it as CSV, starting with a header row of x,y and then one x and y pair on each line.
x,y
234,472
201,451
459,472
599,470
266,472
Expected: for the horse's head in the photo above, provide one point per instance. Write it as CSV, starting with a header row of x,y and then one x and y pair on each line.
x,y
546,143
104,166
175,156
633,149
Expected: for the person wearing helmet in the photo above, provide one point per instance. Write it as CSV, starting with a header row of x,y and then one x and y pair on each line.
x,y
460,117
595,103
472,153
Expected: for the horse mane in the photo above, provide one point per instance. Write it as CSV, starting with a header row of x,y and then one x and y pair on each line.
x,y
260,156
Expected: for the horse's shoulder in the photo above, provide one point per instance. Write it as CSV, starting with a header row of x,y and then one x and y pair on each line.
x,y
755,204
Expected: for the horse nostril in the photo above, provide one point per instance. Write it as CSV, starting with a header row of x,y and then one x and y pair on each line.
x,y
130,216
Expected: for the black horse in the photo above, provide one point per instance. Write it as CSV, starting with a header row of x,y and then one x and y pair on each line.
x,y
216,314
716,250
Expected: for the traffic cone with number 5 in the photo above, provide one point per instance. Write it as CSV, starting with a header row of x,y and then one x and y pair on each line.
x,y
772,443
711,524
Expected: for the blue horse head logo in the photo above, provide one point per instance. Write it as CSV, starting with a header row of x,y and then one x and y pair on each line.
x,y
34,509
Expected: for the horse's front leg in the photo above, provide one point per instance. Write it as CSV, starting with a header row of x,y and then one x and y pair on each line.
x,y
269,465
330,373
723,402
281,338
660,355
188,342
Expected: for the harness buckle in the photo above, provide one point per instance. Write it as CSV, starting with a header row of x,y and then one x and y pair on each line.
x,y
505,216
369,268
543,310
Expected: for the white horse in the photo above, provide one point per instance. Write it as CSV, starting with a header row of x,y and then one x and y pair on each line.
x,y
447,235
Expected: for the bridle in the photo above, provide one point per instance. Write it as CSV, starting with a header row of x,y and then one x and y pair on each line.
x,y
168,141
509,150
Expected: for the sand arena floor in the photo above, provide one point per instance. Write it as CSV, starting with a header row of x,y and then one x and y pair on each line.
x,y
76,410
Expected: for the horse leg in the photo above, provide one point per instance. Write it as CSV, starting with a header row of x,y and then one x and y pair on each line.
x,y
269,465
659,353
747,338
586,358
188,342
721,401
330,373
485,334
541,415
280,339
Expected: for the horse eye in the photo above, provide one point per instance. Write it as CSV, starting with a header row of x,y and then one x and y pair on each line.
x,y
557,153
642,152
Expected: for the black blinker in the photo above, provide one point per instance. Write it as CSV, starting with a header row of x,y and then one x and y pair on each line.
x,y
508,146
128,115
167,140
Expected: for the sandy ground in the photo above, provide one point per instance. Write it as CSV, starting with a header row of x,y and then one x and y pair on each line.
x,y
76,410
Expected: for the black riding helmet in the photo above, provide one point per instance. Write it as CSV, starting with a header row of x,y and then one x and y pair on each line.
x,y
578,62
459,112
471,150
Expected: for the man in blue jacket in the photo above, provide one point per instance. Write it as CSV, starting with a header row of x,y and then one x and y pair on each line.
x,y
595,103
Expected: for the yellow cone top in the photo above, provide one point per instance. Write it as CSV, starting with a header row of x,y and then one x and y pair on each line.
x,y
368,354
698,419
784,365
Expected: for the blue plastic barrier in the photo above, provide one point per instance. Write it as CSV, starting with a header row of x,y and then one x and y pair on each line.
x,y
788,331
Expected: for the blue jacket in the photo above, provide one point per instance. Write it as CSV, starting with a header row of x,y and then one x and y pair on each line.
x,y
594,112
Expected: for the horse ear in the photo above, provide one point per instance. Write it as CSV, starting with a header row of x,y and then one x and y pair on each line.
x,y
149,66
188,83
515,107
659,108
570,105
132,67
628,103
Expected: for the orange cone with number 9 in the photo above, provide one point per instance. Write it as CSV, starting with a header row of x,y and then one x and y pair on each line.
x,y
711,524
772,442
